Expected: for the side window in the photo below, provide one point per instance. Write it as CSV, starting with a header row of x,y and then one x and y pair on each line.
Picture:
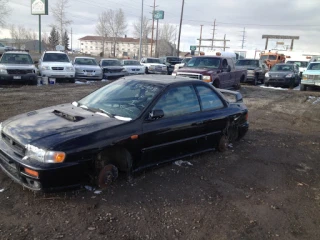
x,y
224,63
209,99
178,101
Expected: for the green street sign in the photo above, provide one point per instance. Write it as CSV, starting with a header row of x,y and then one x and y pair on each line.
x,y
39,7
193,48
158,15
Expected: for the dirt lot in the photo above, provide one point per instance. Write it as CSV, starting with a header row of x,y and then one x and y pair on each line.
x,y
267,186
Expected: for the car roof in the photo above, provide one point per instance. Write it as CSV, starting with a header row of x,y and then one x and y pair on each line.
x,y
17,52
85,57
55,52
163,80
109,59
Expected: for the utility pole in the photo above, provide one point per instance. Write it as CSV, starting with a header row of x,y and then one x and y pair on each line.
x,y
156,50
213,33
71,39
178,48
243,37
224,43
154,8
140,43
39,33
200,38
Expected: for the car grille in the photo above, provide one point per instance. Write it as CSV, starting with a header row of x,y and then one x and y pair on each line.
x,y
88,71
112,70
314,77
135,69
9,166
16,147
57,68
277,80
188,75
20,71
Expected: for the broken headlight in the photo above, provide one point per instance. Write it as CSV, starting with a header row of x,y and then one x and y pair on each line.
x,y
42,155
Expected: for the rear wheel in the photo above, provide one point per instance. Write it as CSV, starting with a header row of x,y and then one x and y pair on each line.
x,y
255,80
146,70
107,176
216,83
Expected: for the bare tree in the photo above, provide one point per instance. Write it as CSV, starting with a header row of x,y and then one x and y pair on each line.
x,y
115,25
59,13
166,38
146,30
5,10
102,30
19,35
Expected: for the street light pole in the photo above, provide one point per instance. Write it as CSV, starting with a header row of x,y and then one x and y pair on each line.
x,y
178,48
140,48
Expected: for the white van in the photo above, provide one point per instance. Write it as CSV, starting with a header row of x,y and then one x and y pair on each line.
x,y
231,55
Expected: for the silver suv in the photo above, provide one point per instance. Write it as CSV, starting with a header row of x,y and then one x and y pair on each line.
x,y
17,67
55,64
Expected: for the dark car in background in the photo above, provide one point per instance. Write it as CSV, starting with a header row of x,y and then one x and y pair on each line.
x,y
256,70
283,75
128,125
170,62
17,67
112,68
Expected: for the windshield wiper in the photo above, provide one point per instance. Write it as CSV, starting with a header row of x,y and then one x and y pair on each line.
x,y
100,110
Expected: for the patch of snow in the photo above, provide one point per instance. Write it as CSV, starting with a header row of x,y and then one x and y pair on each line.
x,y
78,82
275,88
181,163
314,99
1,190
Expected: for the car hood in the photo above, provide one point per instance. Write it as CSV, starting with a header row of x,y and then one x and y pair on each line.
x,y
197,70
85,67
16,66
311,72
154,64
279,74
247,67
57,64
48,127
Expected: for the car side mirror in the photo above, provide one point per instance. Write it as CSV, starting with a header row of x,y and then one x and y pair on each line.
x,y
228,68
156,114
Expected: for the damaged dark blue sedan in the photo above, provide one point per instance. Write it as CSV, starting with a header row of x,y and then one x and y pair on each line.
x,y
128,125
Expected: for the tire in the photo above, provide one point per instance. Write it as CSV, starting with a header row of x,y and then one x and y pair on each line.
x,y
216,83
303,87
146,71
262,81
72,80
256,79
266,84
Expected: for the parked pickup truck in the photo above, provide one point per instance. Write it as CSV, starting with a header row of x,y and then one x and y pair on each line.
x,y
218,71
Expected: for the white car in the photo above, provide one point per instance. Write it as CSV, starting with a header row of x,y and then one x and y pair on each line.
x,y
133,66
153,65
87,68
55,64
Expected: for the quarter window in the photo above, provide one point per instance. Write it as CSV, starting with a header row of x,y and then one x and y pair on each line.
x,y
209,99
178,101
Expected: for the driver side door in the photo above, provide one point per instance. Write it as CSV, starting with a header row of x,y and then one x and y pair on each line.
x,y
178,133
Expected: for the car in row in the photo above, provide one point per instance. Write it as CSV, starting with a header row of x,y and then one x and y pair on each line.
x,y
121,127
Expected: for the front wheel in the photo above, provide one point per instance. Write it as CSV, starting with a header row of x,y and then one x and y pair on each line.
x,y
72,80
266,84
146,71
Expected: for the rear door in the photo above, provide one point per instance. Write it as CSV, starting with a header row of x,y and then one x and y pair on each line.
x,y
225,76
233,73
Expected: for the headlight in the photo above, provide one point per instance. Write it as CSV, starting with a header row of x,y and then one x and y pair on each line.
x,y
174,74
164,68
266,75
304,77
70,68
151,67
290,75
45,68
42,155
124,70
206,78
3,71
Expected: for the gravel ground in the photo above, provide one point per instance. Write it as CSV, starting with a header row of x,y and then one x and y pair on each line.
x,y
265,186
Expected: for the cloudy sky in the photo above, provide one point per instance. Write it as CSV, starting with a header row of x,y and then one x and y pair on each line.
x,y
281,17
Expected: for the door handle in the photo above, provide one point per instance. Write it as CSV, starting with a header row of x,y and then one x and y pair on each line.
x,y
197,123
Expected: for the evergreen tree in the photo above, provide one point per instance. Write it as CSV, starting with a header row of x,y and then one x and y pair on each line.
x,y
53,38
65,41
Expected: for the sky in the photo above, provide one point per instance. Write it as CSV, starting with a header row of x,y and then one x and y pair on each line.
x,y
273,17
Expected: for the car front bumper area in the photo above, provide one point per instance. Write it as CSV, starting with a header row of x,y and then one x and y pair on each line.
x,y
26,78
280,82
58,74
84,76
51,177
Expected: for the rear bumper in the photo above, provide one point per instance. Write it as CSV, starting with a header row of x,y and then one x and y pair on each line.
x,y
51,177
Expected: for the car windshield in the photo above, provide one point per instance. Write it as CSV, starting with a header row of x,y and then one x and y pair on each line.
x,y
299,63
282,68
173,59
186,60
204,62
314,66
16,58
270,57
85,61
111,63
131,63
123,99
55,57
254,63
153,60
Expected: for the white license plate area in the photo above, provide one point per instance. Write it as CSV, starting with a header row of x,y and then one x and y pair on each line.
x,y
16,77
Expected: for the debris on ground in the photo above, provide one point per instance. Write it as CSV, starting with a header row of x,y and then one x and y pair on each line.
x,y
313,99
97,192
89,188
1,190
181,163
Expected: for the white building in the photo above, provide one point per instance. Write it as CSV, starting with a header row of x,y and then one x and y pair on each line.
x,y
125,47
